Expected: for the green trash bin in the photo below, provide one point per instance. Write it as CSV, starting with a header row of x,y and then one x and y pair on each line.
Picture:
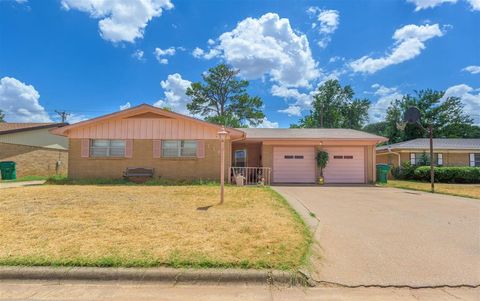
x,y
382,173
7,170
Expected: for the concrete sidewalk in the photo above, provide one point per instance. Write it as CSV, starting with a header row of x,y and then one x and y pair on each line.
x,y
119,291
21,184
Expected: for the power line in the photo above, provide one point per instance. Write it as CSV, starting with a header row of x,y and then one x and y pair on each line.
x,y
63,115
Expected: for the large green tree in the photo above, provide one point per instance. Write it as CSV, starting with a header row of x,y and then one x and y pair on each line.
x,y
333,106
2,116
446,115
223,99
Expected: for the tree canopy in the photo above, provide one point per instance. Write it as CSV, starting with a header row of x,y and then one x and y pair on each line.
x,y
223,99
333,106
446,115
2,116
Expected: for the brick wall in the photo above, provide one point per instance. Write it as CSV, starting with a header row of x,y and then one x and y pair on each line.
x,y
167,168
33,160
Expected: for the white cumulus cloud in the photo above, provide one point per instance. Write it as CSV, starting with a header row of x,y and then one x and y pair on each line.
x,y
266,47
424,4
174,89
328,21
120,20
470,98
138,54
472,69
409,43
160,54
267,124
386,95
125,106
20,102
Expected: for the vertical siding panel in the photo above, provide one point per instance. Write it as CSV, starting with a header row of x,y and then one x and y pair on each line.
x,y
131,128
137,130
149,129
168,129
175,129
111,129
162,129
155,129
181,129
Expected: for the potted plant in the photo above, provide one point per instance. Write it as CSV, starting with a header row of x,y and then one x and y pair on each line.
x,y
322,160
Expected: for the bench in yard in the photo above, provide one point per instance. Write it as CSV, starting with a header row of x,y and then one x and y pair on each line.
x,y
138,174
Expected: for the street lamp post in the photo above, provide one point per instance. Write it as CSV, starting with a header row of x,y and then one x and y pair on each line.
x,y
222,134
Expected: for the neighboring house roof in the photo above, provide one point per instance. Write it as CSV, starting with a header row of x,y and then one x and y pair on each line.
x,y
32,134
438,143
15,127
305,134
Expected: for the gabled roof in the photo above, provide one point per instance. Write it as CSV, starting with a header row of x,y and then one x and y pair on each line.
x,y
305,134
141,109
15,127
438,143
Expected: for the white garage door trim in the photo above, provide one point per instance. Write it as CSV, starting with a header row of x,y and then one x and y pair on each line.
x,y
346,165
294,164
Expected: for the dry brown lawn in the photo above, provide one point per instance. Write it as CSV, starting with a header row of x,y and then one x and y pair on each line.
x,y
465,190
149,226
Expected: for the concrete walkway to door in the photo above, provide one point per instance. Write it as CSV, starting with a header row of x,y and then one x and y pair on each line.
x,y
391,237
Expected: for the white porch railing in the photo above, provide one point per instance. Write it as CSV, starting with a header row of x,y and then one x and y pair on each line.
x,y
250,175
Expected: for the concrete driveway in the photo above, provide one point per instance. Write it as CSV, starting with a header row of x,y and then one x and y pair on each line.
x,y
386,236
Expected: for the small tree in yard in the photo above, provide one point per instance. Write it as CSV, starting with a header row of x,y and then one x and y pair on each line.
x,y
223,99
322,160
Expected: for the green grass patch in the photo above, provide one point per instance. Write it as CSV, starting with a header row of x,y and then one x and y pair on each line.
x,y
61,180
26,178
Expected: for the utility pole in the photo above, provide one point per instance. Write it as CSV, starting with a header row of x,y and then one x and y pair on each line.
x,y
63,115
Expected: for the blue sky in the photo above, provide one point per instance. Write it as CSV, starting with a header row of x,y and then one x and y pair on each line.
x,y
92,57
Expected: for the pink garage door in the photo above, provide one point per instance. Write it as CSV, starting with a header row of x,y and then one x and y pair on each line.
x,y
345,165
293,164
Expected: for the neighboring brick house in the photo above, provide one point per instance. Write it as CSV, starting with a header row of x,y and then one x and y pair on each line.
x,y
447,152
181,147
36,151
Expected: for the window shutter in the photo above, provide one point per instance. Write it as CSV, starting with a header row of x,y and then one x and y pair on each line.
x,y
200,149
129,148
157,148
85,148
472,160
412,158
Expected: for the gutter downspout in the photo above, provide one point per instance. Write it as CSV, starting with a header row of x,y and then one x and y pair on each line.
x,y
398,155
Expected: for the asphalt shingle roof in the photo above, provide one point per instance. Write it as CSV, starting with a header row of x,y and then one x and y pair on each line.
x,y
11,127
438,143
348,134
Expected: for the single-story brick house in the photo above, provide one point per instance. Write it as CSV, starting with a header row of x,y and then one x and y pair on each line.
x,y
447,152
35,150
182,147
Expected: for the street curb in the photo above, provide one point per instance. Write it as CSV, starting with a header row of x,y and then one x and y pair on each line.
x,y
161,274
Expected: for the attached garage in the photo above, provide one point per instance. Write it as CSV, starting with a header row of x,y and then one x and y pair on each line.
x,y
345,165
293,164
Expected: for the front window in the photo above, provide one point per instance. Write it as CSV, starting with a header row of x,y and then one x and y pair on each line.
x,y
107,148
424,159
475,160
240,158
179,148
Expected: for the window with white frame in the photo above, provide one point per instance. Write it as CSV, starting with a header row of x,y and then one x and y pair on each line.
x,y
475,160
424,158
240,158
179,148
107,148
